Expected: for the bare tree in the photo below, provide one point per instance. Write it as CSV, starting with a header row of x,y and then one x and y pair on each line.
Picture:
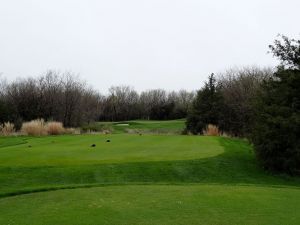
x,y
64,97
50,91
73,90
123,101
239,87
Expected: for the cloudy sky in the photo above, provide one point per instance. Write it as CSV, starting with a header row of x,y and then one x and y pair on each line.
x,y
169,44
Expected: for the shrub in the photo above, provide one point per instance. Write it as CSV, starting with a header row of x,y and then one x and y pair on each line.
x,y
39,127
211,130
34,128
55,128
7,129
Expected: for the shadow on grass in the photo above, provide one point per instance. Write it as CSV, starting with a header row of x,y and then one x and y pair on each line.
x,y
236,166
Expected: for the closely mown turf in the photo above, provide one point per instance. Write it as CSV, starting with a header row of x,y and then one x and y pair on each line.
x,y
160,204
140,179
77,150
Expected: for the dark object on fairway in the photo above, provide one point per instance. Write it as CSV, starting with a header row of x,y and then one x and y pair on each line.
x,y
107,140
29,146
93,145
140,134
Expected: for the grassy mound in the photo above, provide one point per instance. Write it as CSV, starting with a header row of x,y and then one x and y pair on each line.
x,y
70,161
133,179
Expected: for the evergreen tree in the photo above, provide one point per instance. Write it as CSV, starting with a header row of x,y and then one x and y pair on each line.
x,y
276,134
206,108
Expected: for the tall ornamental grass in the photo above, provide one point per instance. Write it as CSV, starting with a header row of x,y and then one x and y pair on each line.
x,y
7,129
55,128
34,128
41,128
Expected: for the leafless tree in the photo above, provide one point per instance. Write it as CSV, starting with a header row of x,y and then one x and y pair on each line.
x,y
65,97
239,87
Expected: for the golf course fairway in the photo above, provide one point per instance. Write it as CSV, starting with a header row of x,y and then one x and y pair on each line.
x,y
140,179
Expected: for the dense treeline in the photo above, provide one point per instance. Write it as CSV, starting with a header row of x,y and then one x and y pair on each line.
x,y
66,98
52,96
226,100
124,103
261,104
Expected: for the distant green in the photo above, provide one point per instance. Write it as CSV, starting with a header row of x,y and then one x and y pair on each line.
x,y
140,126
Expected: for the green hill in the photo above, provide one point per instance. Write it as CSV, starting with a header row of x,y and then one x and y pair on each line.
x,y
140,179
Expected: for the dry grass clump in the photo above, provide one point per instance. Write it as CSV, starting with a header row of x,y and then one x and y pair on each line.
x,y
38,127
71,131
211,130
107,131
34,128
7,129
55,128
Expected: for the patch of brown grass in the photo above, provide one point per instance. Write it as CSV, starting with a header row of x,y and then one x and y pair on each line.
x,y
72,131
211,130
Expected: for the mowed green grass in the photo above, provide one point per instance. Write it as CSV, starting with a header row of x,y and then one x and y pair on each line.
x,y
155,204
77,150
133,179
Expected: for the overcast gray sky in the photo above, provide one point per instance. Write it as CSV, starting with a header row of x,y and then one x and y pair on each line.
x,y
169,44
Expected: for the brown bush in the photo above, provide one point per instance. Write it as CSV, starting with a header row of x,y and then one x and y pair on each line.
x,y
7,129
55,128
39,128
34,128
211,130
